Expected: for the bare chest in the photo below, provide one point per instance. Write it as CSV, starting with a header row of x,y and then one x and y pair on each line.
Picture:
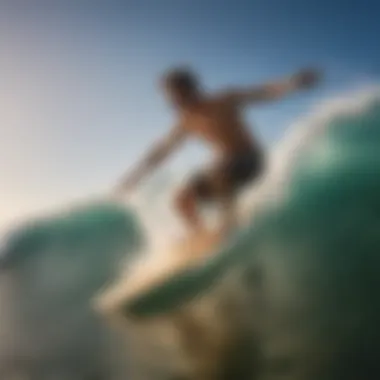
x,y
210,121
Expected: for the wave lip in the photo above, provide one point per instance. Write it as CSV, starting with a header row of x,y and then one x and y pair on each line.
x,y
94,226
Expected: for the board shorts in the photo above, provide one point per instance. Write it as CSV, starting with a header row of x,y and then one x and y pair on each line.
x,y
230,174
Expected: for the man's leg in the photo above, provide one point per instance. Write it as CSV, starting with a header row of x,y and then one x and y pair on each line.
x,y
186,203
200,189
228,219
219,193
200,238
228,179
216,186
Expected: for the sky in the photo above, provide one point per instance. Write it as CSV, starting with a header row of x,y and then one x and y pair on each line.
x,y
79,94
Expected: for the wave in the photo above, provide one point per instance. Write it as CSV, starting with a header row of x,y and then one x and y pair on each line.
x,y
53,266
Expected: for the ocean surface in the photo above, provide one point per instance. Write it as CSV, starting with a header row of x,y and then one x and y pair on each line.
x,y
314,239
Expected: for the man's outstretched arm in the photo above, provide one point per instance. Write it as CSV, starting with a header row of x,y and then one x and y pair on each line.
x,y
276,90
157,154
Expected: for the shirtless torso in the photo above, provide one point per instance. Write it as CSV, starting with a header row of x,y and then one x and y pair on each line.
x,y
218,122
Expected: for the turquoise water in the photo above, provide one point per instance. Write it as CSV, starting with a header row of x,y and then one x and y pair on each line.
x,y
314,259
51,268
92,228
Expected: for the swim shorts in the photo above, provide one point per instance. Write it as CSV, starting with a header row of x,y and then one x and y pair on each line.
x,y
230,174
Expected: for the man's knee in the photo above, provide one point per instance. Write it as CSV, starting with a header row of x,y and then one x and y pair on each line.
x,y
184,199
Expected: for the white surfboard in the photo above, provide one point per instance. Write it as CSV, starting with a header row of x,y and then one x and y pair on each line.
x,y
157,268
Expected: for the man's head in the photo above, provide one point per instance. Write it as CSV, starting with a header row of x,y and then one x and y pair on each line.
x,y
181,86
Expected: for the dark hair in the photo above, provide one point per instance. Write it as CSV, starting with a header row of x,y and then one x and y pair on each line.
x,y
181,79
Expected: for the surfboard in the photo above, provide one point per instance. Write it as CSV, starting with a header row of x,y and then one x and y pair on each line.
x,y
155,268
163,282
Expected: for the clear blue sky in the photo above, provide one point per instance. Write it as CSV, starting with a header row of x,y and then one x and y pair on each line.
x,y
79,100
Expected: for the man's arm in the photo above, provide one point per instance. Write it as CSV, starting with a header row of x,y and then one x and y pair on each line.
x,y
275,90
158,153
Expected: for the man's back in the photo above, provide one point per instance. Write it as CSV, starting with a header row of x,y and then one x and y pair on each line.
x,y
217,120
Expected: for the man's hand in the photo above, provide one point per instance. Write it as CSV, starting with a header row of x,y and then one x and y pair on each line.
x,y
306,78
154,158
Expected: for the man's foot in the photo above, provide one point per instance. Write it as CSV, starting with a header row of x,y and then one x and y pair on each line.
x,y
201,241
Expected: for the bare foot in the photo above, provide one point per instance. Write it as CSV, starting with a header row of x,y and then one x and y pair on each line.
x,y
201,241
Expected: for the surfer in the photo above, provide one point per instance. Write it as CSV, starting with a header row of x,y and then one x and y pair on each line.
x,y
217,120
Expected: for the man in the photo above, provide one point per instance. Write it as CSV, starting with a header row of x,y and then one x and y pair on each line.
x,y
217,120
